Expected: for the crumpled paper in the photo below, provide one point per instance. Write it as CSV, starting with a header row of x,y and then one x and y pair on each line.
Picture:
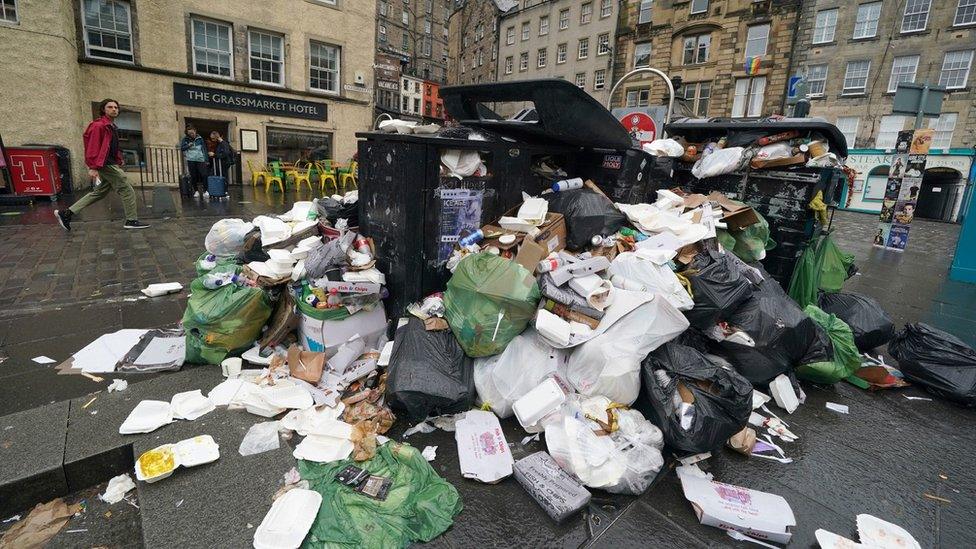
x,y
43,522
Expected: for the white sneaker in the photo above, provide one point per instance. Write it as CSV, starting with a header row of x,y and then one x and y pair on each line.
x,y
196,194
206,194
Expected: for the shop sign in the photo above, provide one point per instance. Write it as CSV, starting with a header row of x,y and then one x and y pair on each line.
x,y
197,96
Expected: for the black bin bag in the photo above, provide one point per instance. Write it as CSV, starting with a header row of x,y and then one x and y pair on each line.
x,y
718,288
936,360
722,399
587,213
429,374
871,325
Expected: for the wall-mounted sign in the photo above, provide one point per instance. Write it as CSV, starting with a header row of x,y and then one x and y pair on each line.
x,y
213,98
249,140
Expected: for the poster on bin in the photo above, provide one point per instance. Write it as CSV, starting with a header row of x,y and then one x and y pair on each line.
x,y
901,190
460,214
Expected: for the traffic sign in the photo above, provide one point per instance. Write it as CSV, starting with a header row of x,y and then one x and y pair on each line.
x,y
640,126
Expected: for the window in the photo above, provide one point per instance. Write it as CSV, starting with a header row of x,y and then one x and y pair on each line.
x,y
405,17
848,126
888,131
599,79
560,53
583,51
944,126
823,29
816,80
481,57
603,44
406,104
510,36
292,145
429,6
965,13
447,32
416,105
586,13
638,98
696,49
427,28
699,6
265,57
866,25
581,79
108,30
563,19
212,48
697,96
606,8
383,33
856,77
955,69
644,12
509,64
406,42
541,61
642,55
902,70
525,31
8,10
384,9
748,98
544,25
323,62
756,38
916,15
464,40
524,61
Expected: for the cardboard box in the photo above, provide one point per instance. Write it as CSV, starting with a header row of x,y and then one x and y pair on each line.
x,y
483,452
737,216
552,233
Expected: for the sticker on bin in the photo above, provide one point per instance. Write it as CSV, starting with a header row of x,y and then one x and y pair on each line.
x,y
160,462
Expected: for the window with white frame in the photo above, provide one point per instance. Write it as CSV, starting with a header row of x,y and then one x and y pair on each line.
x,y
638,98
526,29
696,95
965,13
323,63
856,77
848,126
212,48
509,64
583,50
560,53
8,11
542,57
866,23
406,42
563,19
757,38
955,69
544,25
382,33
642,55
825,25
481,56
524,61
603,44
903,69
916,15
586,13
108,29
428,26
405,17
816,80
581,79
644,11
265,57
699,6
695,49
888,131
606,8
944,125
510,36
599,79
748,97
384,9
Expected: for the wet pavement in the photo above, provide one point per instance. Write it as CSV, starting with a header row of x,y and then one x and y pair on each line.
x,y
889,457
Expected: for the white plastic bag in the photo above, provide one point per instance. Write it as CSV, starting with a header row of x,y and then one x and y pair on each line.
x,y
775,151
504,378
462,164
664,147
226,237
261,437
642,267
609,364
720,162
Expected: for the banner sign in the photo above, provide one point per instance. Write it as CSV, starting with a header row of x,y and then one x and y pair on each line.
x,y
197,96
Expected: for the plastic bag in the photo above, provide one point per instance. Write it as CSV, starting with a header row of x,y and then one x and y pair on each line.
x,y
657,278
749,244
720,400
261,437
774,151
822,266
489,300
333,210
429,373
461,164
504,378
871,325
223,321
845,359
936,360
609,364
226,237
664,147
721,161
587,213
718,288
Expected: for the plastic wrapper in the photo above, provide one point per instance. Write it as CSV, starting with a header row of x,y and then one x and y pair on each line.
x,y
226,237
261,437
429,374
489,300
936,360
223,321
718,288
657,278
720,399
721,161
587,213
870,324
333,210
845,359
506,377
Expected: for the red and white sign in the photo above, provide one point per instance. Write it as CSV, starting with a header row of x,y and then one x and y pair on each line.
x,y
34,171
640,126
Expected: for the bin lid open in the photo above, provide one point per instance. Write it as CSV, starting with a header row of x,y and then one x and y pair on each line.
x,y
564,113
713,128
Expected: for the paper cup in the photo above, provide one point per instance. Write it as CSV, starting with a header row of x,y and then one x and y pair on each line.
x,y
231,367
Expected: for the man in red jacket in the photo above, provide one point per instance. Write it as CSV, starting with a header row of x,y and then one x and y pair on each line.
x,y
104,161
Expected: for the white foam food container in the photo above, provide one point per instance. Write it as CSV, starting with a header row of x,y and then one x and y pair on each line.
x,y
186,453
147,416
538,403
288,521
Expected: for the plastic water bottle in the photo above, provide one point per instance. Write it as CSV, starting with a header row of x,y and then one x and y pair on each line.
x,y
208,262
213,281
567,184
472,238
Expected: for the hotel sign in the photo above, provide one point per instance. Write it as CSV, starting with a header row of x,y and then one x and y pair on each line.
x,y
197,96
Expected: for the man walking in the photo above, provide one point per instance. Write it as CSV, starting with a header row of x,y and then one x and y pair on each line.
x,y
104,160
195,151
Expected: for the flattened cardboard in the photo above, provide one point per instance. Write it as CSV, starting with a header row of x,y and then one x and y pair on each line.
x,y
530,254
483,452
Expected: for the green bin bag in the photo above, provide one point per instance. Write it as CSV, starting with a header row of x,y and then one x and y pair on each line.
x,y
419,506
483,287
223,264
846,358
750,244
223,321
823,266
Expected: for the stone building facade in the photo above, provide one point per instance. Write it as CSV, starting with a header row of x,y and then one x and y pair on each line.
x,y
707,43
473,40
416,32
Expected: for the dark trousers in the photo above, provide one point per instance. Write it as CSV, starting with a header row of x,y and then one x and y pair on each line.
x,y
199,171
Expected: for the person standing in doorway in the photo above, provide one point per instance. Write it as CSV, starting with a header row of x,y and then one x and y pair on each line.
x,y
104,160
195,151
221,154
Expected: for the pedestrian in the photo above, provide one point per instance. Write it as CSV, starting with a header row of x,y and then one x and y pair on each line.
x,y
221,153
104,160
195,151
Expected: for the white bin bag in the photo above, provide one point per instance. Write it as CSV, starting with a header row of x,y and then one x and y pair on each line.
x,y
506,377
645,267
720,162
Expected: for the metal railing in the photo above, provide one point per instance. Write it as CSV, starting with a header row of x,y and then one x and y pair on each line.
x,y
161,166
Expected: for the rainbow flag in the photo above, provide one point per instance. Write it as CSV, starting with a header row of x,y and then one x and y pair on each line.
x,y
752,65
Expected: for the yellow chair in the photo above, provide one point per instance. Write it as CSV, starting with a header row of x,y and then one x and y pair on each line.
x,y
271,176
257,174
326,174
348,176
301,175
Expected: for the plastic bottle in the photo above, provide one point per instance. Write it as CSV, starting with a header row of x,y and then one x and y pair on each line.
x,y
213,281
597,240
567,184
361,245
550,264
208,262
472,238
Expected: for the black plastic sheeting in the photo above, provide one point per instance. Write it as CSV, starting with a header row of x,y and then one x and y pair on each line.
x,y
334,210
718,289
587,213
936,360
871,325
429,373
